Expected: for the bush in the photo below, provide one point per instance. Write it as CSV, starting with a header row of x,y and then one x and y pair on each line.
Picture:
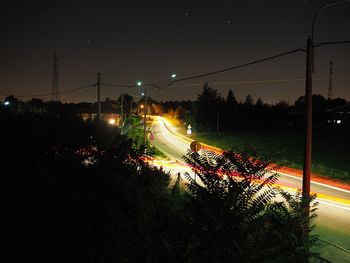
x,y
234,216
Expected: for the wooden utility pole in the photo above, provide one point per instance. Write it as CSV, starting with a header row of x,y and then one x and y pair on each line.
x,y
99,96
308,114
218,116
330,82
121,112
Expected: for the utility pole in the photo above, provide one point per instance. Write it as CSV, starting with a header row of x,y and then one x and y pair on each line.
x,y
330,82
218,116
121,113
145,118
131,107
308,114
310,59
132,120
99,96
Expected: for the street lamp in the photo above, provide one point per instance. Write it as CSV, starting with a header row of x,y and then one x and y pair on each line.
x,y
139,84
173,76
310,58
111,121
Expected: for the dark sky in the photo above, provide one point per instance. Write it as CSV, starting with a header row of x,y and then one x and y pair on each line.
x,y
148,40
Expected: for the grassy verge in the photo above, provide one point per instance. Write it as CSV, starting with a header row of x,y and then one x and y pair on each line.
x,y
136,135
330,148
326,247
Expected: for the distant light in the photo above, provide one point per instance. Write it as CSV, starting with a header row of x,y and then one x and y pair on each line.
x,y
111,121
143,94
6,103
173,75
338,121
141,106
139,83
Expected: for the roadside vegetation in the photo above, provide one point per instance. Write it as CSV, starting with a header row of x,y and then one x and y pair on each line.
x,y
227,123
78,191
330,159
136,134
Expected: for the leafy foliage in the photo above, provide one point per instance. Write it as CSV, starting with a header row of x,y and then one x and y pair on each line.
x,y
78,191
59,208
234,215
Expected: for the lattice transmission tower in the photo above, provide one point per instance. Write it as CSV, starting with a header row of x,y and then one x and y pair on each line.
x,y
55,91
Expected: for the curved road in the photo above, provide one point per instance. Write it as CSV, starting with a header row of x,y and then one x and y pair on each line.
x,y
333,212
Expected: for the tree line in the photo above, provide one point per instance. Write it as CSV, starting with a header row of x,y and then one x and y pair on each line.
x,y
213,112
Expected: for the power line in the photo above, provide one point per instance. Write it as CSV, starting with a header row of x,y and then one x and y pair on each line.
x,y
254,81
236,67
331,43
132,86
49,94
76,95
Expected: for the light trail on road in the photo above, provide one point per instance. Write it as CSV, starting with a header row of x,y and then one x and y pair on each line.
x,y
334,202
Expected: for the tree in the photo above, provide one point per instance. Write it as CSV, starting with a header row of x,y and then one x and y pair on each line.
x,y
231,115
180,113
249,100
234,217
206,107
248,112
76,191
12,99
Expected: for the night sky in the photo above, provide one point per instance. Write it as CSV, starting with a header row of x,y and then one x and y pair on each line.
x,y
149,40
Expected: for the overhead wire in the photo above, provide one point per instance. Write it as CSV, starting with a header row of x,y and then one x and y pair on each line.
x,y
236,67
49,94
256,81
76,95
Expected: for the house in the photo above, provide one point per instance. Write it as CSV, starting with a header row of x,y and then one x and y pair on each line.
x,y
339,117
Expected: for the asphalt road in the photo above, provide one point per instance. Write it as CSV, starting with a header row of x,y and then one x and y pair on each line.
x,y
334,203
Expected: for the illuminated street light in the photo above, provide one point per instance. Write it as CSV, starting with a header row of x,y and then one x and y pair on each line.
x,y
6,103
141,106
111,121
139,83
173,76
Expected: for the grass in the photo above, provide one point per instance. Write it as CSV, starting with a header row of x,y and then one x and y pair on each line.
x,y
330,148
325,245
136,134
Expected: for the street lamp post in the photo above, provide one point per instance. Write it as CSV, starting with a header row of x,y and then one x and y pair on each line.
x,y
145,118
310,58
144,94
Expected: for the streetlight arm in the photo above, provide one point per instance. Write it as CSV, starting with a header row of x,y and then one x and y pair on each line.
x,y
320,10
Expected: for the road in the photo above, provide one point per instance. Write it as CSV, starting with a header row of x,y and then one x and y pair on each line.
x,y
334,203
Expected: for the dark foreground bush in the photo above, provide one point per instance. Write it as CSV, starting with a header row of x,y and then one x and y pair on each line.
x,y
77,192
235,217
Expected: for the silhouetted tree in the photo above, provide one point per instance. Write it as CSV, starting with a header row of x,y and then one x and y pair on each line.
x,y
231,115
233,215
206,108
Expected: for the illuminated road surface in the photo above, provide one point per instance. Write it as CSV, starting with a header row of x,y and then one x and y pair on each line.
x,y
334,203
